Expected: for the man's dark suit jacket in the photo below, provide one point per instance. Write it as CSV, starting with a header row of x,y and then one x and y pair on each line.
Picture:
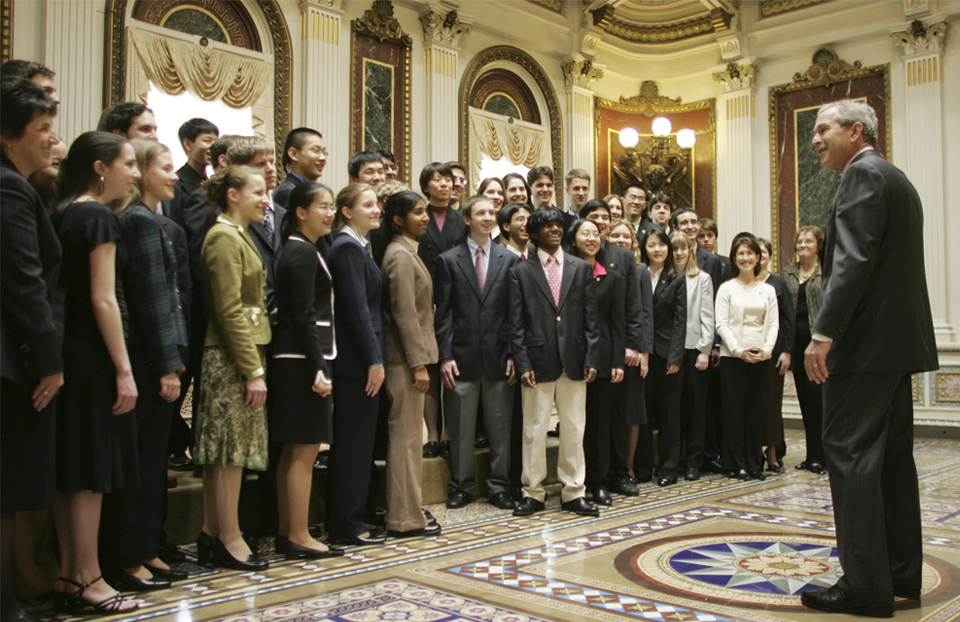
x,y
670,318
875,304
437,242
710,263
31,322
470,324
549,339
269,248
281,196
358,290
611,317
188,183
638,319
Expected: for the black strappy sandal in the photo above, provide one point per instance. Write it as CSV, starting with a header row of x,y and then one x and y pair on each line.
x,y
67,602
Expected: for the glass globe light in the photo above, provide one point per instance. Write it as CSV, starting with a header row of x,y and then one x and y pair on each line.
x,y
686,138
629,137
662,126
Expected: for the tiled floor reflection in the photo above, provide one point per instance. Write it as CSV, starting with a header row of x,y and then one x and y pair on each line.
x,y
706,551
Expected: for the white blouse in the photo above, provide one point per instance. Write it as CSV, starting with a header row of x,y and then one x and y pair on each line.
x,y
747,317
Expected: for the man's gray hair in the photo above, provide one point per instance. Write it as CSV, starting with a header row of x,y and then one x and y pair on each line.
x,y
850,112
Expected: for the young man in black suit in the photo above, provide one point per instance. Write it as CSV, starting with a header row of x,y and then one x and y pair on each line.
x,y
556,347
304,157
472,291
874,330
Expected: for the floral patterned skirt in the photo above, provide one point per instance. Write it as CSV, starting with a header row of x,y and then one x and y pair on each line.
x,y
228,432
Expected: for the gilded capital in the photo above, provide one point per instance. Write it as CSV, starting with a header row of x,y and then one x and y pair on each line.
x,y
444,27
921,37
735,77
336,5
580,73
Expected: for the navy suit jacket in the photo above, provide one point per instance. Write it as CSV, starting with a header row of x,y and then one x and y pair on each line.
x,y
281,196
358,323
470,324
551,339
874,303
670,319
437,242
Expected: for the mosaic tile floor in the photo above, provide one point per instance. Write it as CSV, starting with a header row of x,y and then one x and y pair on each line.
x,y
706,551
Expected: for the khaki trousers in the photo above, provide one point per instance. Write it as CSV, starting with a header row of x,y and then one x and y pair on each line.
x,y
570,397
404,452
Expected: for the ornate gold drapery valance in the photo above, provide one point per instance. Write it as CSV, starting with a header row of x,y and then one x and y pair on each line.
x,y
522,146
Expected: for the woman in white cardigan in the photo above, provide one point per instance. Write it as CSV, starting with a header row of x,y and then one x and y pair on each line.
x,y
696,359
748,322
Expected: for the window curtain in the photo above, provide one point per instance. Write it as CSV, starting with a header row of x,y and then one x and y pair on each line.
x,y
497,139
177,66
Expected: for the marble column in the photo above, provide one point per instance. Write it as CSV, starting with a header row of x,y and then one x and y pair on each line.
x,y
736,174
73,47
324,105
921,153
442,30
579,148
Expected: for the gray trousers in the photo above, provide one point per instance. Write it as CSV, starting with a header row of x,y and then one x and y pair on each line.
x,y
461,405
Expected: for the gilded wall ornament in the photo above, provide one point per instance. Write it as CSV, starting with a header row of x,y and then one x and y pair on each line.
x,y
921,37
659,34
827,68
773,7
444,28
736,77
380,23
580,73
649,101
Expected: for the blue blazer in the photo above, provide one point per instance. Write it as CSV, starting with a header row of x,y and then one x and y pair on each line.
x,y
358,289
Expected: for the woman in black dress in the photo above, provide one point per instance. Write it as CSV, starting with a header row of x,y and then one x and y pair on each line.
x,y
96,429
584,238
358,372
31,322
131,526
300,372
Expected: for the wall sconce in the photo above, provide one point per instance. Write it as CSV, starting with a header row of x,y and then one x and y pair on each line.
x,y
662,165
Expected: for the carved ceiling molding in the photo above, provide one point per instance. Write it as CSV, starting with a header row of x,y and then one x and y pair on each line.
x,y
650,102
380,23
921,37
631,31
827,69
581,73
446,28
736,77
775,7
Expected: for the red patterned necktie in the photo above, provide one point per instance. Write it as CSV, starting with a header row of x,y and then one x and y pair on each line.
x,y
553,278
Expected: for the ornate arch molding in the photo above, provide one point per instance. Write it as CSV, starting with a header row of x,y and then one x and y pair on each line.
x,y
115,59
527,62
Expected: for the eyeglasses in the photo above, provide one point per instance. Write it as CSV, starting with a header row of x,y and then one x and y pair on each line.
x,y
328,207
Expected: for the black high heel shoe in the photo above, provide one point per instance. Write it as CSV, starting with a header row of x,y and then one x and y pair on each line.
x,y
222,557
205,545
167,573
292,550
67,602
123,581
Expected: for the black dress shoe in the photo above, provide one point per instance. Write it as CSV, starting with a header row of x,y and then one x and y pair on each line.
x,y
757,475
431,449
179,462
516,493
554,432
292,550
430,531
123,581
502,501
581,507
624,485
458,499
906,592
375,537
167,573
427,515
205,544
528,506
742,475
714,466
666,481
836,600
223,558
817,468
774,468
375,515
692,474
171,554
601,496
802,466
322,463
444,449
481,442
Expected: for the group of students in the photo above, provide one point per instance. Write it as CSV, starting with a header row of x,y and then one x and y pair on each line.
x,y
306,316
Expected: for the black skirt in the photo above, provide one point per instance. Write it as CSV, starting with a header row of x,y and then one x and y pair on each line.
x,y
27,450
296,414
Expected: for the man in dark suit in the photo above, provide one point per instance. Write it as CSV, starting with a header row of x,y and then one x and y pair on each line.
x,y
304,157
873,331
472,291
556,349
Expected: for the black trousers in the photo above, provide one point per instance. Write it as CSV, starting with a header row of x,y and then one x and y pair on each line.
x,y
131,520
713,424
693,409
744,399
601,397
630,408
663,397
348,478
868,439
810,395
